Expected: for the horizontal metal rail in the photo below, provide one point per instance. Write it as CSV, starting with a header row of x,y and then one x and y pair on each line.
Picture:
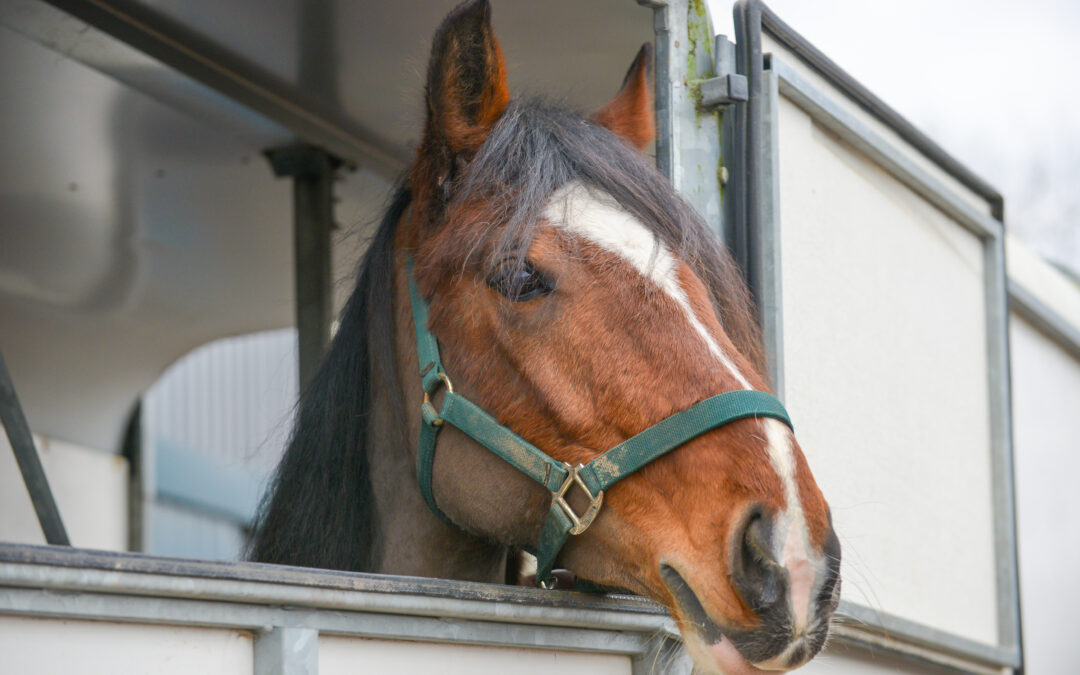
x,y
776,28
74,583
1028,306
833,116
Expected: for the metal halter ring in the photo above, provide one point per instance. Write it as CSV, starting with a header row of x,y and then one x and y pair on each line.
x,y
582,522
437,422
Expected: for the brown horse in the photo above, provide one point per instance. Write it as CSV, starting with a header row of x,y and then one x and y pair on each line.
x,y
578,301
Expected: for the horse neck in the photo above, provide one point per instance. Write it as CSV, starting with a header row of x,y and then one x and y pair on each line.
x,y
408,538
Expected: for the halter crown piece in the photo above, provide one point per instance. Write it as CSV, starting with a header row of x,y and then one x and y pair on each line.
x,y
559,477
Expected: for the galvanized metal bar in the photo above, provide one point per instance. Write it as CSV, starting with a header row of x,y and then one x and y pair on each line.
x,y
312,171
78,593
859,621
287,650
500,629
303,597
86,561
688,137
36,580
1007,567
770,23
766,261
920,656
1027,305
26,455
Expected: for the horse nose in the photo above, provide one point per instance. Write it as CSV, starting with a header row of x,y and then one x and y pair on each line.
x,y
758,577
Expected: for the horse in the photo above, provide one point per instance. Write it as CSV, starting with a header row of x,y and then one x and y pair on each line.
x,y
538,272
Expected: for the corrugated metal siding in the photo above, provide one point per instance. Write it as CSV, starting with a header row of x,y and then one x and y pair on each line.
x,y
214,427
231,399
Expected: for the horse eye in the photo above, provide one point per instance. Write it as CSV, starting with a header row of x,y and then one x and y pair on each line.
x,y
519,282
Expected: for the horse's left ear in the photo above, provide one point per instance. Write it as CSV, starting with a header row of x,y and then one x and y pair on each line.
x,y
630,114
466,93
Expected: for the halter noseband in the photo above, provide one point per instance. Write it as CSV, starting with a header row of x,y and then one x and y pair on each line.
x,y
558,477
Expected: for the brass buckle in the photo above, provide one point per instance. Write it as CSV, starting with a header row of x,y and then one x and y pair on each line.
x,y
581,523
437,422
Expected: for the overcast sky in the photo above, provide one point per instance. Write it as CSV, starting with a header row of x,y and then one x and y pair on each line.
x,y
996,82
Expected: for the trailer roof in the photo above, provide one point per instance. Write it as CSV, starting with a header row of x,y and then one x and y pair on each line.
x,y
140,218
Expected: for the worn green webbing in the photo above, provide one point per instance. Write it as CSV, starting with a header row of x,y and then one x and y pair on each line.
x,y
652,443
427,348
668,434
598,475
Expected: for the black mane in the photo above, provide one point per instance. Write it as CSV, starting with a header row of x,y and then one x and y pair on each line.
x,y
318,511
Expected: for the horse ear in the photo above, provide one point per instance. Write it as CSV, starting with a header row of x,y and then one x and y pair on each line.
x,y
466,88
630,114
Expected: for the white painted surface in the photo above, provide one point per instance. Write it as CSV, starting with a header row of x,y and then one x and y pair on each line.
x,y
979,204
1044,281
342,655
54,646
886,380
1046,433
90,488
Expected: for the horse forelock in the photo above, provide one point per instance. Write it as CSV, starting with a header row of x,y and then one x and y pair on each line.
x,y
537,148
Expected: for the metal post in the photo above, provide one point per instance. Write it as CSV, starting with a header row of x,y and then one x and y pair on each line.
x,y
287,651
687,135
22,444
312,171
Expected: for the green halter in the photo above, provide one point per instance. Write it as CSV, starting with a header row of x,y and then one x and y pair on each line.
x,y
558,477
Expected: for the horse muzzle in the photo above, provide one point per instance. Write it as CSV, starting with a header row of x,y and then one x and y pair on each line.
x,y
792,598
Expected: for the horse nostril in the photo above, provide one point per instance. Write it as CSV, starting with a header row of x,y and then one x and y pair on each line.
x,y
758,577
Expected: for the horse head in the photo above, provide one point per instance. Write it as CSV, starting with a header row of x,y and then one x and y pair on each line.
x,y
579,301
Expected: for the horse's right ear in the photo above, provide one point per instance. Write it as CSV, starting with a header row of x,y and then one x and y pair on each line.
x,y
466,94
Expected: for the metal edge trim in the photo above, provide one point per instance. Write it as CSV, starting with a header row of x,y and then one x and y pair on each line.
x,y
227,73
59,558
865,99
466,627
817,104
1030,308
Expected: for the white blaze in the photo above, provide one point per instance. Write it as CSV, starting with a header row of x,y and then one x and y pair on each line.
x,y
603,222
600,220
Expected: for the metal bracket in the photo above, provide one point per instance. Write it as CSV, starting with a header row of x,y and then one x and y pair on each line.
x,y
728,86
313,171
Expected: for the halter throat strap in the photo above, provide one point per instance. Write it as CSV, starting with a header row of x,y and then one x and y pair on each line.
x,y
558,478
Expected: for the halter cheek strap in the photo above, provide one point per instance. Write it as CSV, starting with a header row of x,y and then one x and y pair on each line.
x,y
558,478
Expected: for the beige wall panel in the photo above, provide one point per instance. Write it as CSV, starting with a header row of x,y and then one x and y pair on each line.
x,y
1046,432
886,380
344,656
52,646
90,488
954,186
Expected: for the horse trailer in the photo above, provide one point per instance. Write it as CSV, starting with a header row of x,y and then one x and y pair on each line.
x,y
154,152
